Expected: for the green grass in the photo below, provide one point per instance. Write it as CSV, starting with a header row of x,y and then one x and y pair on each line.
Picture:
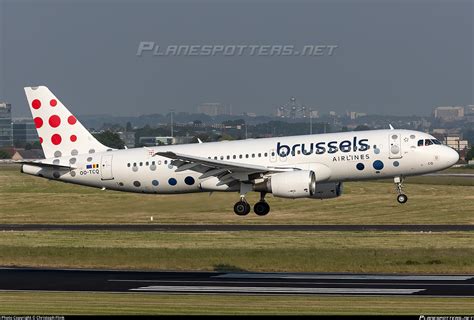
x,y
27,199
392,252
146,304
433,200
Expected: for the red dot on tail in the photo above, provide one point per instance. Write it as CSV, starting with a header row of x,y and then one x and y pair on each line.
x,y
56,139
54,121
53,102
71,120
38,122
36,104
73,138
41,140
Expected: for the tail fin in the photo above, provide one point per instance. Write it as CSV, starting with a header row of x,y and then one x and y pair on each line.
x,y
61,134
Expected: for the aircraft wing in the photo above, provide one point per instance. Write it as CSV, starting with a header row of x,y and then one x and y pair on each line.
x,y
224,170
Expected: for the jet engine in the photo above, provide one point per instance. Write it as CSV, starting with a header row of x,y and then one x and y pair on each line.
x,y
327,190
292,184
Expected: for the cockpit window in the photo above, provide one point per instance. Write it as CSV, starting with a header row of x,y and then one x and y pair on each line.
x,y
428,142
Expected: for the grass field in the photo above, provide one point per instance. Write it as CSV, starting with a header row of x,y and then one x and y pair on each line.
x,y
105,304
433,200
384,252
27,199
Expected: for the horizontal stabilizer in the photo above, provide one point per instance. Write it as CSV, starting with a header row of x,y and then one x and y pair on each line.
x,y
45,165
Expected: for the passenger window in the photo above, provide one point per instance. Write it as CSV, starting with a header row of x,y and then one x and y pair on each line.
x,y
420,143
246,155
166,161
253,155
147,163
153,163
240,156
128,165
134,164
266,154
234,156
428,142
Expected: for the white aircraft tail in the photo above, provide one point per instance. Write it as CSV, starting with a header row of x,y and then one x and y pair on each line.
x,y
60,133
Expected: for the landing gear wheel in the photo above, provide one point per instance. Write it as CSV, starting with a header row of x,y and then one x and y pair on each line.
x,y
261,208
242,208
402,198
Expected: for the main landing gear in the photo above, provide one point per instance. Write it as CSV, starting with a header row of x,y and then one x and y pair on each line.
x,y
242,208
401,198
261,208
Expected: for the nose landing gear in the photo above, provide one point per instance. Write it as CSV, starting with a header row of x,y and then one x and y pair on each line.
x,y
401,198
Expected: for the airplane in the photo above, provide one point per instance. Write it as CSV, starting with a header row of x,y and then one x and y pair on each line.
x,y
306,166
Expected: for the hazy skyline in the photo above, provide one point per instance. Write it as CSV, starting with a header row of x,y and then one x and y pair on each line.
x,y
392,57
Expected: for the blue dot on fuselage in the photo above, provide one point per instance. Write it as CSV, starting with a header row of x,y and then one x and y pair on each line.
x,y
172,181
378,165
360,166
189,181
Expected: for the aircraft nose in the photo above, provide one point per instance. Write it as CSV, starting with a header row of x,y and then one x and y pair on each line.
x,y
452,156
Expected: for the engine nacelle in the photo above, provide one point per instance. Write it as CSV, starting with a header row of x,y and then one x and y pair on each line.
x,y
292,184
327,190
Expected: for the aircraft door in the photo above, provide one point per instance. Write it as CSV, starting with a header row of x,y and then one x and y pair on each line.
x,y
395,146
106,167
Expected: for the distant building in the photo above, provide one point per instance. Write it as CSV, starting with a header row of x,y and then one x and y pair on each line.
x,y
354,115
449,113
183,139
6,134
456,143
212,109
128,138
314,114
469,113
21,154
469,109
24,131
155,141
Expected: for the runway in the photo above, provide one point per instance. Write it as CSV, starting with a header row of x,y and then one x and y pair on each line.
x,y
235,282
232,227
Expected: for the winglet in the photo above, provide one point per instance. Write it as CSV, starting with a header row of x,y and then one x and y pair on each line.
x,y
391,128
199,140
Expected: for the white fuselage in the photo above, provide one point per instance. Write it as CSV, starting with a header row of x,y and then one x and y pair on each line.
x,y
334,157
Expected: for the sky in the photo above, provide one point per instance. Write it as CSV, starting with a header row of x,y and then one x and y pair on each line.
x,y
390,57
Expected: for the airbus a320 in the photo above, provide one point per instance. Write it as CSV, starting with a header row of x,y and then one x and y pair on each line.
x,y
306,166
